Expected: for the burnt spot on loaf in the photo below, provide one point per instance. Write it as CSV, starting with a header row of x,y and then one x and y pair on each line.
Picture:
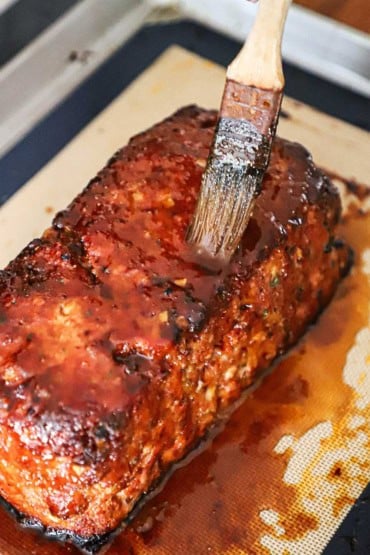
x,y
223,293
334,243
76,248
107,433
132,361
192,321
102,431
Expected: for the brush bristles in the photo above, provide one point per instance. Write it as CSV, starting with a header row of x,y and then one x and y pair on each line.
x,y
233,178
230,184
224,208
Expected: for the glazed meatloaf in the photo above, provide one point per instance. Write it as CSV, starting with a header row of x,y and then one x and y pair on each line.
x,y
119,350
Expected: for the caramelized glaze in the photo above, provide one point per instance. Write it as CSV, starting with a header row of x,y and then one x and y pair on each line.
x,y
212,505
131,221
119,352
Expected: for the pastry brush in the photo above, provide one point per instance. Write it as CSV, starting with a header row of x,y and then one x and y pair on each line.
x,y
244,133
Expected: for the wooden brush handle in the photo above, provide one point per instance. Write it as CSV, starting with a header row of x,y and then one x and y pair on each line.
x,y
258,64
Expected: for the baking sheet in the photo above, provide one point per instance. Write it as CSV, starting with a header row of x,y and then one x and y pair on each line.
x,y
176,79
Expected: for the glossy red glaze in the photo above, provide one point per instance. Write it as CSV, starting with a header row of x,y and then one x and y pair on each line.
x,y
115,342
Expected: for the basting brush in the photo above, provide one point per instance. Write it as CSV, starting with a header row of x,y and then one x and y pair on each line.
x,y
244,133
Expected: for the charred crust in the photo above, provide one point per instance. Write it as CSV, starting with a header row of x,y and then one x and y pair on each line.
x,y
89,546
131,360
348,261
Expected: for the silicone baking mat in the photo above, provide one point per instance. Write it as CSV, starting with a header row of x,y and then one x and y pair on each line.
x,y
295,456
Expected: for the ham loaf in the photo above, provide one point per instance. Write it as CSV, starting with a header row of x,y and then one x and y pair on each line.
x,y
119,350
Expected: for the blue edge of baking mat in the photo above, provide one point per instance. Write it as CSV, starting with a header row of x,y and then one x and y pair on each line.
x,y
58,128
